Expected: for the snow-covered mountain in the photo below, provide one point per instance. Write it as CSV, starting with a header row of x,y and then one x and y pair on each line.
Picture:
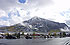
x,y
38,24
45,25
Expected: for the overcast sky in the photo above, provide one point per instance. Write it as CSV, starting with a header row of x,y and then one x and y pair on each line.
x,y
11,11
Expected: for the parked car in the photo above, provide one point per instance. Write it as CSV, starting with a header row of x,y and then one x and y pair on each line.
x,y
10,37
1,37
28,37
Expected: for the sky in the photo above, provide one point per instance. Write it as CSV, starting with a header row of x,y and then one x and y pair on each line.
x,y
17,11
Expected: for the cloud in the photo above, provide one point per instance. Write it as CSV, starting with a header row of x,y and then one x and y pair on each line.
x,y
15,16
11,11
3,13
4,23
7,4
55,10
66,14
39,2
18,16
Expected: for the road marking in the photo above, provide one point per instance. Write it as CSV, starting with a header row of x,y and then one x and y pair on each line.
x,y
67,42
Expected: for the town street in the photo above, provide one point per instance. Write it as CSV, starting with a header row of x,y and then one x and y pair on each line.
x,y
54,41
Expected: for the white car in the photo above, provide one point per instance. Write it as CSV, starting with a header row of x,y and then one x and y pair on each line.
x,y
1,37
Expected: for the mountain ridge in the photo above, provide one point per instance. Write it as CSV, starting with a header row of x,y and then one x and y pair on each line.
x,y
37,24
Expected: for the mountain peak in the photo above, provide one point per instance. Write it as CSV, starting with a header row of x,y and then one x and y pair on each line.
x,y
35,17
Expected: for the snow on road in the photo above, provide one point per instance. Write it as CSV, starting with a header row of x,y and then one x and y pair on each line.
x,y
52,41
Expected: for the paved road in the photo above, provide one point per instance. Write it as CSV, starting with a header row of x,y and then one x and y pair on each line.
x,y
54,41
